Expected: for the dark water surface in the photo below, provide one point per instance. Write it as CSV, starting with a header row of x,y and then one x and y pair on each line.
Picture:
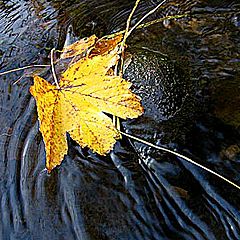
x,y
135,192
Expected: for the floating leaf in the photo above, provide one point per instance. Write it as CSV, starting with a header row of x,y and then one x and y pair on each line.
x,y
86,92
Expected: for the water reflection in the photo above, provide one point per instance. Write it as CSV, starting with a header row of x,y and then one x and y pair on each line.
x,y
135,192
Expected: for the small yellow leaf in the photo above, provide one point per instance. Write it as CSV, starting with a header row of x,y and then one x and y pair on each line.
x,y
86,93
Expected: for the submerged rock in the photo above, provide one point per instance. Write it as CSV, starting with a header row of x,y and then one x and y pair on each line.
x,y
162,84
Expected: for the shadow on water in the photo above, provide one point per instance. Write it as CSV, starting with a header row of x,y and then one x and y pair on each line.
x,y
192,105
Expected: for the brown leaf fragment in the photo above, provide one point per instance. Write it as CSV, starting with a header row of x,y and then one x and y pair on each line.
x,y
104,45
78,47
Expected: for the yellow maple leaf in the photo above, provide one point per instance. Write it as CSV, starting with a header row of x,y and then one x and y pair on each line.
x,y
86,92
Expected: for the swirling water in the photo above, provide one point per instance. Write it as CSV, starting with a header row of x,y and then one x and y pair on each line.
x,y
135,192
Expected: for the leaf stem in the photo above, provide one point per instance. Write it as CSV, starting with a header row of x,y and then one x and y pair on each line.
x,y
53,70
181,156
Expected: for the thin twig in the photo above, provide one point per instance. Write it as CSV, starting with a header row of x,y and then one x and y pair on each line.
x,y
144,17
129,21
147,24
22,68
53,70
17,81
181,156
126,35
116,120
